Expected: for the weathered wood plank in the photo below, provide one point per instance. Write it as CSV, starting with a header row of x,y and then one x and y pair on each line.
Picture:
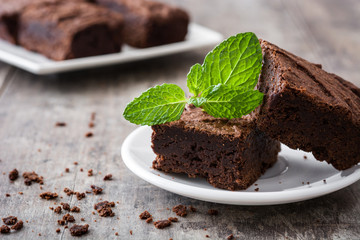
x,y
31,106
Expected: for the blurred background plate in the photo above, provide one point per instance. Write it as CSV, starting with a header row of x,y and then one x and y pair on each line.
x,y
197,37
293,178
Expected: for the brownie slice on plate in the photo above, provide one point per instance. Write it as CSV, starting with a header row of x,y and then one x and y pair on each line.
x,y
230,154
150,23
308,108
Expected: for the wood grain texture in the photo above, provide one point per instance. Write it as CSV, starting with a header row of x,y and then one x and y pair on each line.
x,y
326,32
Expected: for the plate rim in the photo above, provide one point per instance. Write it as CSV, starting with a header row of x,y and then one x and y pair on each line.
x,y
50,66
231,197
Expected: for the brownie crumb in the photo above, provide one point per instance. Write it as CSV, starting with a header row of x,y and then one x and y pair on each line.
x,y
96,190
162,224
90,172
10,220
19,225
91,124
67,170
75,209
173,219
324,180
308,183
51,208
68,218
68,191
213,212
144,215
93,115
21,193
130,232
230,237
65,206
108,177
4,229
149,220
76,163
81,169
256,189
116,234
31,177
305,157
61,222
82,219
60,124
79,230
48,195
13,175
89,134
7,195
180,210
192,209
58,230
104,209
207,236
80,196
58,210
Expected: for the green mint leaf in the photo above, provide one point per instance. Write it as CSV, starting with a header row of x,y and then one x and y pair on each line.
x,y
223,101
160,104
197,101
236,61
194,79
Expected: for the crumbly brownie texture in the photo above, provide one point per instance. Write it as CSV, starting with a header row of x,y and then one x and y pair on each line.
x,y
79,230
162,224
31,177
48,195
104,209
307,108
13,175
65,30
4,229
149,23
11,220
230,154
180,210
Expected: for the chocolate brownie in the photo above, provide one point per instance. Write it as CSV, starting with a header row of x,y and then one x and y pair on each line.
x,y
308,108
65,30
149,23
230,154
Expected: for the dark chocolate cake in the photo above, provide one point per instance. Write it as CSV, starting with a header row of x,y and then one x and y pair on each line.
x,y
230,154
308,108
64,30
149,23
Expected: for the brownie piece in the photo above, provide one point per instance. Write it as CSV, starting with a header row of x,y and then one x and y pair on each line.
x,y
9,17
230,154
307,108
65,30
149,23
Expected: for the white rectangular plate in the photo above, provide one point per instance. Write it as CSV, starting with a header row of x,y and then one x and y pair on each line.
x,y
197,37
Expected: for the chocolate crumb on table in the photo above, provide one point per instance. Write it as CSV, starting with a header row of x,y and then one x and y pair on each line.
x,y
145,215
96,190
116,234
75,209
230,237
89,134
4,229
13,175
256,189
162,224
104,209
61,222
79,230
213,212
131,232
65,206
108,177
76,163
180,210
173,219
90,172
324,180
192,209
57,210
60,124
10,220
48,195
19,225
67,170
149,220
305,157
68,218
207,236
82,219
58,230
91,124
80,196
7,195
21,193
68,191
31,177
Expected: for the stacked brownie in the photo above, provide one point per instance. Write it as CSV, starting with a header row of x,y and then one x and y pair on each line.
x,y
149,23
230,154
304,107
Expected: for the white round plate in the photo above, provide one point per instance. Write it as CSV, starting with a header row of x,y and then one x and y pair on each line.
x,y
293,178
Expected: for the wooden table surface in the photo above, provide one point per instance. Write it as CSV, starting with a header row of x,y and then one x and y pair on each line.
x,y
326,32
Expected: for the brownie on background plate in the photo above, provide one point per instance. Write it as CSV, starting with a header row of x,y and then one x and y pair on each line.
x,y
149,23
230,154
308,108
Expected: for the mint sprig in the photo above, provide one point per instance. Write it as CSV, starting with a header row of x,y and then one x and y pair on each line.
x,y
223,86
